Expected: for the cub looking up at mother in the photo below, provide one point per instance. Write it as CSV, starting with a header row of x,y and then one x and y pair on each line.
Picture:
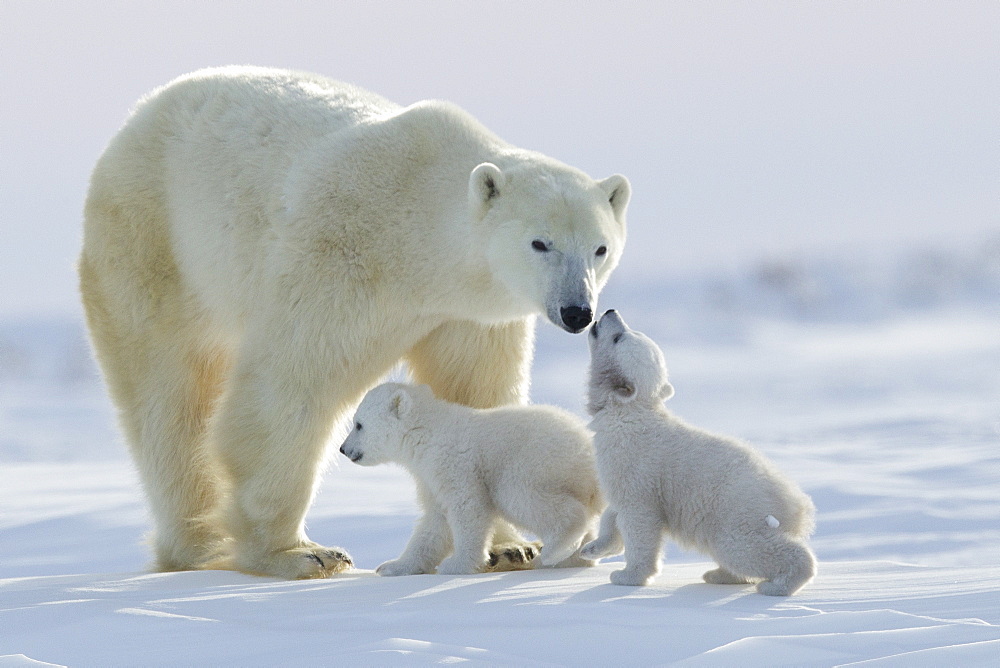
x,y
262,246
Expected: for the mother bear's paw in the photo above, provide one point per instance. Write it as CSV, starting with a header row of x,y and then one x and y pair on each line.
x,y
512,557
316,562
299,563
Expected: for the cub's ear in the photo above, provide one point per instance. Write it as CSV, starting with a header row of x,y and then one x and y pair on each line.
x,y
618,191
666,391
485,184
400,404
623,392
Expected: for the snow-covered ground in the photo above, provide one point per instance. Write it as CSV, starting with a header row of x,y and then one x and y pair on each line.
x,y
872,380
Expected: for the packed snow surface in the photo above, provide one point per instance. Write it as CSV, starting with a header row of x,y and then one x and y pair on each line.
x,y
873,382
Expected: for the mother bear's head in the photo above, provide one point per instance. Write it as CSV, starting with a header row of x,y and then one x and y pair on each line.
x,y
554,234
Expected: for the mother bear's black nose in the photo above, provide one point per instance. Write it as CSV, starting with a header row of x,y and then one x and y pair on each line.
x,y
576,318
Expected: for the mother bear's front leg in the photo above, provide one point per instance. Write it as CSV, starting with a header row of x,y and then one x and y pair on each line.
x,y
482,366
293,380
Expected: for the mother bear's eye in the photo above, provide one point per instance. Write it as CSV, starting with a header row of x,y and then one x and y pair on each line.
x,y
357,425
540,246
601,251
617,338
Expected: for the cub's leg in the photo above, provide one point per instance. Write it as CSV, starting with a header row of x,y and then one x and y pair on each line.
x,y
794,565
577,560
781,564
609,540
471,518
561,521
428,546
481,366
642,532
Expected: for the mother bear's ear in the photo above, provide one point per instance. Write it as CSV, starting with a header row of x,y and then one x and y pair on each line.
x,y
485,184
619,191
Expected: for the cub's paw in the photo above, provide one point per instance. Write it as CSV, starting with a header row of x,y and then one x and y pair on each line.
x,y
400,567
720,576
631,578
458,566
554,555
512,557
576,561
774,588
599,549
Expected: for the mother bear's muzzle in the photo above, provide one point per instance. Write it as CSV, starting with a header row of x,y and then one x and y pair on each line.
x,y
576,318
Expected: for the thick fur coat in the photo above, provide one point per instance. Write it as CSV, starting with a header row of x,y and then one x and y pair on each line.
x,y
262,246
531,466
660,475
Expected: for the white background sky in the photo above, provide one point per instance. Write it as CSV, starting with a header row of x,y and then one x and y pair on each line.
x,y
747,129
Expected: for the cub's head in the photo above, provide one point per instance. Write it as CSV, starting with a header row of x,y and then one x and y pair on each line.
x,y
625,366
554,235
382,422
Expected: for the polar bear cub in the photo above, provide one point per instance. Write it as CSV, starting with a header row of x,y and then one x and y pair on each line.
x,y
661,475
531,466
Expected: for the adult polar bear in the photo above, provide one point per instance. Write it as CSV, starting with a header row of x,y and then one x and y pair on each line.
x,y
262,246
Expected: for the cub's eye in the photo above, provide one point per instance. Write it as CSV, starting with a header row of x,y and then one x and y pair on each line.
x,y
602,251
357,425
540,246
617,338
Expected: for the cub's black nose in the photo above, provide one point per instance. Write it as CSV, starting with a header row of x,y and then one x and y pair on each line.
x,y
576,318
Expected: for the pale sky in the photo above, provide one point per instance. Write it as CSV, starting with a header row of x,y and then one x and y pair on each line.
x,y
748,130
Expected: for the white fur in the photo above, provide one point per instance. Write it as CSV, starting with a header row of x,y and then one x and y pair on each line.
x,y
261,246
660,475
532,466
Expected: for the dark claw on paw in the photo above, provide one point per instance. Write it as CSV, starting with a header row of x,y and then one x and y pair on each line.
x,y
339,556
316,558
515,555
493,560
